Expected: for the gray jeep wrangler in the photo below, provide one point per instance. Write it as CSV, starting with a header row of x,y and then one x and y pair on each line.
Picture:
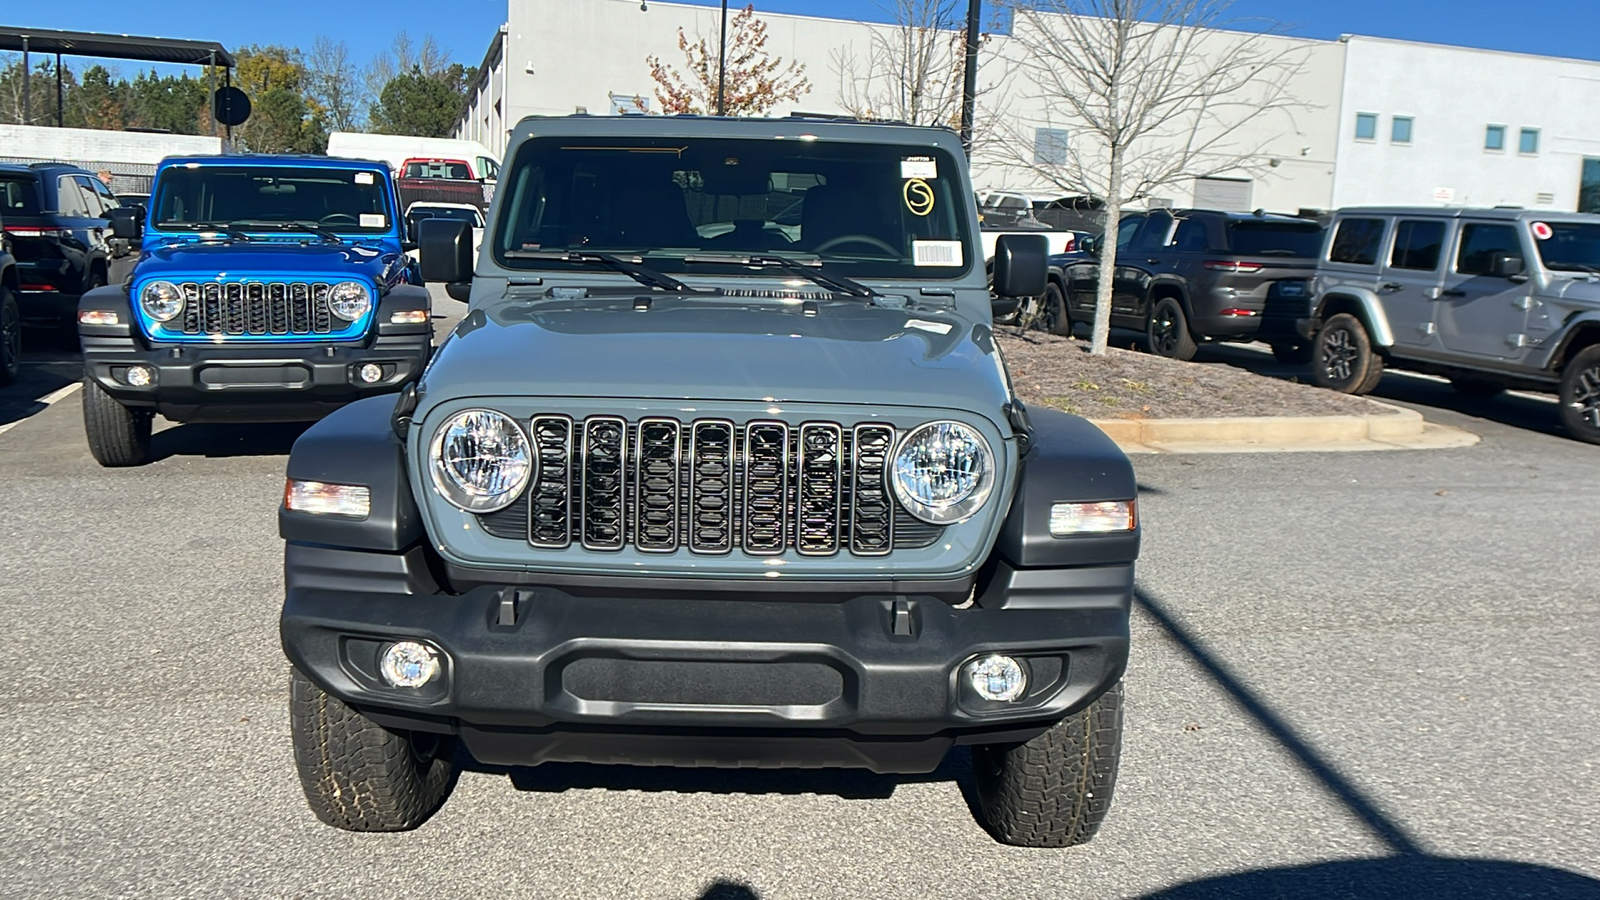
x,y
1490,298
722,467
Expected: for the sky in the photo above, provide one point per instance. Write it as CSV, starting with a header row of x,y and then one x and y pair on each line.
x,y
463,28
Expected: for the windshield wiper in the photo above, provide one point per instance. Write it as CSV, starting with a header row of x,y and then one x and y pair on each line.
x,y
643,274
323,233
836,283
232,233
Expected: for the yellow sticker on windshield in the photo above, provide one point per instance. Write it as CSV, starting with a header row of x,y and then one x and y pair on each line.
x,y
919,197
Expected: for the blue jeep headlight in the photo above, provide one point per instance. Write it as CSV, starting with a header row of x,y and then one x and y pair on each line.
x,y
349,300
161,300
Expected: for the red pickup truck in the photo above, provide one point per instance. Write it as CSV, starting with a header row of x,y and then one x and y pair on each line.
x,y
428,180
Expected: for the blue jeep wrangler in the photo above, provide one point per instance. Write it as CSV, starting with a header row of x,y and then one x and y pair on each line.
x,y
268,289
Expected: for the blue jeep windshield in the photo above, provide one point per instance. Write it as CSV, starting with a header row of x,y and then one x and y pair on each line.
x,y
270,198
1571,247
870,210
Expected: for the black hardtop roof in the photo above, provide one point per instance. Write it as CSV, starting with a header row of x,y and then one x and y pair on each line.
x,y
1507,213
696,126
30,168
1237,216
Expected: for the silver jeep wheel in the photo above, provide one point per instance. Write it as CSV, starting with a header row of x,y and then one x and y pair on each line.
x,y
1580,395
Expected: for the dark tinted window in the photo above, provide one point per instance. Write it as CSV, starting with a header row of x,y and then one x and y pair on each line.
x,y
344,200
1275,238
1154,236
1356,241
19,197
1191,237
1417,245
1571,246
1480,243
1126,229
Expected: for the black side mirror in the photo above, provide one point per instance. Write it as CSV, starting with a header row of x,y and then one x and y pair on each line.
x,y
445,249
126,222
1020,265
1504,265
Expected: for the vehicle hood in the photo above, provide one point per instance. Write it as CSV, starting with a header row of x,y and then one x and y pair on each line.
x,y
368,260
847,352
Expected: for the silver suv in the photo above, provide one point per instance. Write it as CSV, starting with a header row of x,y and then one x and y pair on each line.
x,y
1490,298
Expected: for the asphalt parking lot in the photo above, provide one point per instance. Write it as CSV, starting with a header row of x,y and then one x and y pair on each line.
x,y
1363,674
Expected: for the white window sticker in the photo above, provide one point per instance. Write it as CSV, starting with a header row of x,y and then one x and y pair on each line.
x,y
919,167
925,325
363,178
936,253
372,220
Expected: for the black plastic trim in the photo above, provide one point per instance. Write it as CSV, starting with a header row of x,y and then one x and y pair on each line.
x,y
356,445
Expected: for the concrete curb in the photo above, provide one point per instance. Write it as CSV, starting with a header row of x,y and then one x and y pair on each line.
x,y
1402,429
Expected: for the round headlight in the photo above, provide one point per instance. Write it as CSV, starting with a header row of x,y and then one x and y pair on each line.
x,y
161,300
943,472
481,460
349,300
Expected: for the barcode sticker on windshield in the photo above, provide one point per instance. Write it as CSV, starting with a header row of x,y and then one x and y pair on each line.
x,y
936,253
372,220
919,167
363,178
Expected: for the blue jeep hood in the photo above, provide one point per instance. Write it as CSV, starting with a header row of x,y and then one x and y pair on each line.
x,y
679,349
367,260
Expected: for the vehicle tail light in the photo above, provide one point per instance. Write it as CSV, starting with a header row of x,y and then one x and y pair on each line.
x,y
30,231
1241,312
1224,265
37,287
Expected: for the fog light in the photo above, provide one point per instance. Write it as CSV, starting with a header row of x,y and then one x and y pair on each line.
x,y
140,376
997,677
409,664
370,372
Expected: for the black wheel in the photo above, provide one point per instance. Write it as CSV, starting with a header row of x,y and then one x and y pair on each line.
x,y
10,338
1477,388
1580,395
1055,790
118,436
360,776
1292,354
1168,331
1052,315
1343,359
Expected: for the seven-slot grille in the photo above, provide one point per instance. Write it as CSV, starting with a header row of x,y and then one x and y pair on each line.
x,y
254,308
711,486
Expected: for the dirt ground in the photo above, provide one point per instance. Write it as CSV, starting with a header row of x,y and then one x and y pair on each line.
x,y
1125,384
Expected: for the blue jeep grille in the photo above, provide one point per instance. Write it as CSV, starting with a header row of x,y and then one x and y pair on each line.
x,y
255,309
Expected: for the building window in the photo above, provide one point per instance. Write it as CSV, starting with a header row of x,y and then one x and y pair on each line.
x,y
1400,130
1528,141
1050,146
1366,126
1494,138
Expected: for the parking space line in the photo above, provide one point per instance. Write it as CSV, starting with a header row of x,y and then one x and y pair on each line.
x,y
48,400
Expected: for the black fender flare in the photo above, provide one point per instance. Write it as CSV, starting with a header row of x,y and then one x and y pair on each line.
x,y
356,444
404,298
1068,460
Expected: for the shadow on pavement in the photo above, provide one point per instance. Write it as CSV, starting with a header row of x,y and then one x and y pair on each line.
x,y
49,363
1410,872
728,890
223,440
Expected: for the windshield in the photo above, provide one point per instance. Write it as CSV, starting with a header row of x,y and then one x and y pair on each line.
x,y
200,197
1571,246
18,197
862,209
1275,238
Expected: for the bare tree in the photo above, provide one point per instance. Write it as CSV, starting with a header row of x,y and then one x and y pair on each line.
x,y
403,56
334,82
1141,94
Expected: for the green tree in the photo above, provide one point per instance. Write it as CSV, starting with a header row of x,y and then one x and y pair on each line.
x,y
173,103
98,101
282,118
420,104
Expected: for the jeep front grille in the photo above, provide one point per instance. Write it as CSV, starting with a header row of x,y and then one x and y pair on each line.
x,y
710,486
255,309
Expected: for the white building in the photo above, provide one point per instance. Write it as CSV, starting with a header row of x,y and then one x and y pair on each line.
x,y
1379,121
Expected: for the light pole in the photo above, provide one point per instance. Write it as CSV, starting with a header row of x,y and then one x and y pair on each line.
x,y
969,76
722,62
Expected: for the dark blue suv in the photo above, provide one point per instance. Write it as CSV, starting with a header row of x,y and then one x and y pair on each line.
x,y
57,220
268,288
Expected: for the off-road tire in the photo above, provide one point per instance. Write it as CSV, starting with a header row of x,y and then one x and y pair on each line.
x,y
118,436
1055,790
1168,331
1343,359
360,776
10,338
1477,388
1580,395
1053,316
1293,354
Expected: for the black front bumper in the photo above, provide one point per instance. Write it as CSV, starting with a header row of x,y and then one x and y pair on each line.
x,y
631,670
257,382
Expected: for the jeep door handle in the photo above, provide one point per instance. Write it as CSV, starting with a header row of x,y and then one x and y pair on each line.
x,y
1452,292
1153,262
1391,286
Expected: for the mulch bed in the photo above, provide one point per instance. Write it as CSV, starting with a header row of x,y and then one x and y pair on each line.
x,y
1060,372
